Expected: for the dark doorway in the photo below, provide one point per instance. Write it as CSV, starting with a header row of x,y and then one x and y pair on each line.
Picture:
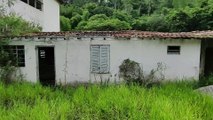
x,y
209,61
46,63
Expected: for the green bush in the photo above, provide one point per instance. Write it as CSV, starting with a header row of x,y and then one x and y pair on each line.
x,y
75,20
151,23
122,16
178,20
140,24
81,25
65,23
98,17
13,25
132,73
69,11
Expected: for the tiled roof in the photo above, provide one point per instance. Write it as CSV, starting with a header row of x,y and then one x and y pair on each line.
x,y
129,34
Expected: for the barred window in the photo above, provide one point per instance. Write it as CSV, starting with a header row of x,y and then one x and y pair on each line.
x,y
16,54
39,5
34,3
173,50
100,58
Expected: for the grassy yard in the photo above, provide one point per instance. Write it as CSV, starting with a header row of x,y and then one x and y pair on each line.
x,y
172,101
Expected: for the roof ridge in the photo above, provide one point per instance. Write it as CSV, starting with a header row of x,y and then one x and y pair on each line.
x,y
127,34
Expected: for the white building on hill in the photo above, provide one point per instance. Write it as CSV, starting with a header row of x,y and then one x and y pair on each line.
x,y
44,13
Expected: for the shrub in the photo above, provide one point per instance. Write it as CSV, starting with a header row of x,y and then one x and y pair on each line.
x,y
178,21
75,20
65,23
151,23
98,17
70,10
81,25
122,16
133,73
13,25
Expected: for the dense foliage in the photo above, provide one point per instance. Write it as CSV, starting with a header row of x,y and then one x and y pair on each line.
x,y
148,15
10,25
13,25
173,101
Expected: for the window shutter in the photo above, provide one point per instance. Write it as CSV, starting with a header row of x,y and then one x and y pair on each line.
x,y
104,59
95,58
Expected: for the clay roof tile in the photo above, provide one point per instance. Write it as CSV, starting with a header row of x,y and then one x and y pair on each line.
x,y
128,34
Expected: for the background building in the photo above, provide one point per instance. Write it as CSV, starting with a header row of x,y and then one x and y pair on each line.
x,y
45,13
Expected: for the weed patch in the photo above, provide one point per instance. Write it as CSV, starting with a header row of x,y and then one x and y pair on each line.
x,y
167,101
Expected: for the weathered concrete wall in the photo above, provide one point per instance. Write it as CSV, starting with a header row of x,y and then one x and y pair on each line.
x,y
26,11
51,16
72,57
48,18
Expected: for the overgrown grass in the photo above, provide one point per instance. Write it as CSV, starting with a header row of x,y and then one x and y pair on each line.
x,y
171,101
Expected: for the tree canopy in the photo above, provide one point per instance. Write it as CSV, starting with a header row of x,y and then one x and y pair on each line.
x,y
147,15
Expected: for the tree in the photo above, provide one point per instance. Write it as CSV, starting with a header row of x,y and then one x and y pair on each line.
x,y
104,24
116,3
65,23
178,21
69,11
122,16
127,6
103,10
75,20
154,15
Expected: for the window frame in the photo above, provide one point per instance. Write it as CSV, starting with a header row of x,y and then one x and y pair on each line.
x,y
41,5
173,49
99,62
35,2
18,52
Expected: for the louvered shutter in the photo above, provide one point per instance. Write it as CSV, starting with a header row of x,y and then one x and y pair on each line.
x,y
95,58
104,59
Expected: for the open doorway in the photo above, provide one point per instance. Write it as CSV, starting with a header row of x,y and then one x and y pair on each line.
x,y
46,64
208,61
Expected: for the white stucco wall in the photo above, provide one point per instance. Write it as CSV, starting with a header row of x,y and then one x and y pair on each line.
x,y
72,57
51,17
48,18
27,12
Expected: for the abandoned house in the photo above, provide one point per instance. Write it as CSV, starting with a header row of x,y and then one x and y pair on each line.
x,y
44,13
66,57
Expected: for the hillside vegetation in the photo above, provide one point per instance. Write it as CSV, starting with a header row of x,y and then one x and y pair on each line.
x,y
147,15
172,101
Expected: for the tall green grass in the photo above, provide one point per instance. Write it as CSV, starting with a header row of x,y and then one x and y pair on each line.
x,y
171,101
